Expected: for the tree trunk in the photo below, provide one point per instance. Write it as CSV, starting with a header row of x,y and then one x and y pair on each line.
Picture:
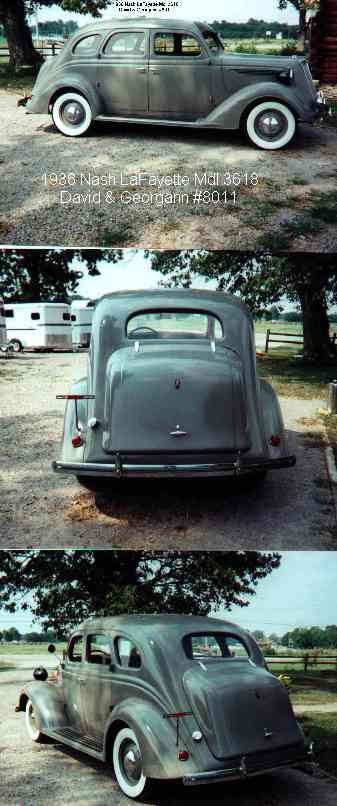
x,y
318,347
303,29
18,34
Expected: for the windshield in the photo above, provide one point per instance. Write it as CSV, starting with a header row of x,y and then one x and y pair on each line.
x,y
213,41
174,324
215,645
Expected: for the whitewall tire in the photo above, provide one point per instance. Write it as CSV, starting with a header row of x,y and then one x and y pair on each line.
x,y
127,762
72,114
270,125
31,724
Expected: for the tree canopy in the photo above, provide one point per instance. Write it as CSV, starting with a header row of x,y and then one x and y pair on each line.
x,y
61,588
47,274
309,280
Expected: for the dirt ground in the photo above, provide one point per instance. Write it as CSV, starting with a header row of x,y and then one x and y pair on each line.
x,y
293,508
52,771
31,211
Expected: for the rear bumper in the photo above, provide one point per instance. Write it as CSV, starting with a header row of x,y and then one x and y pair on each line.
x,y
121,467
250,767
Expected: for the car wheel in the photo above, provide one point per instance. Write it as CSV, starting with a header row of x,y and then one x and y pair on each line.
x,y
31,725
270,125
72,114
16,345
127,762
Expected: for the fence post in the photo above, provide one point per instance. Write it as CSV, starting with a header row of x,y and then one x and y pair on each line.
x,y
332,397
267,339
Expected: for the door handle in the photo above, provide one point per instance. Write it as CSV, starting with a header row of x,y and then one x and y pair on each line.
x,y
154,70
140,70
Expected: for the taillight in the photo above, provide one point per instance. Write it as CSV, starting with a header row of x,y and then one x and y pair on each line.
x,y
183,755
275,440
77,441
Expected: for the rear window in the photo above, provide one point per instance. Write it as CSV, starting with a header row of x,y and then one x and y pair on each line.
x,y
214,645
35,316
213,41
174,324
126,43
89,44
9,313
127,654
66,317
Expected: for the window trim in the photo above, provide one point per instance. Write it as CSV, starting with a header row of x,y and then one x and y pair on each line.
x,y
137,57
173,310
131,669
73,638
215,633
203,55
87,645
94,51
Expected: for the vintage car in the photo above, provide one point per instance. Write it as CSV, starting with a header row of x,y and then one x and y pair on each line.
x,y
173,73
167,697
171,390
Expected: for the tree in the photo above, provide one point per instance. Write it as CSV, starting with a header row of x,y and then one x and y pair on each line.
x,y
47,274
62,588
13,18
302,6
310,280
259,635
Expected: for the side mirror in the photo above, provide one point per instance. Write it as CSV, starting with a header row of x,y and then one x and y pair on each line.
x,y
51,648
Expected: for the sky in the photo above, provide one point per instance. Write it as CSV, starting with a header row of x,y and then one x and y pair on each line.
x,y
232,11
302,592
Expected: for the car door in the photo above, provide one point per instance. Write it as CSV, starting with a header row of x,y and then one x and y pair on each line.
x,y
123,73
73,682
100,690
180,76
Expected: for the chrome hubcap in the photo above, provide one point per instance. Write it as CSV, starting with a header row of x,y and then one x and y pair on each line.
x,y
271,124
131,762
73,113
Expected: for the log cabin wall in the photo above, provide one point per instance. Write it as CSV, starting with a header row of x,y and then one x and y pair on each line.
x,y
323,52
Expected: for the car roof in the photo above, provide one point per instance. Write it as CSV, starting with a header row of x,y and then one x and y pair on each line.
x,y
173,297
154,624
148,22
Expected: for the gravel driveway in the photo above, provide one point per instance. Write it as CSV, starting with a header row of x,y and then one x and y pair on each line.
x,y
293,509
34,775
31,212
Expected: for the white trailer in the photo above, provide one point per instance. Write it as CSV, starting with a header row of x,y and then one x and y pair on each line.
x,y
81,319
38,325
3,328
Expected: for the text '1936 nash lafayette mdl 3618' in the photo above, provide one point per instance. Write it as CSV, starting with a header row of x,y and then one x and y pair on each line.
x,y
171,390
177,73
167,697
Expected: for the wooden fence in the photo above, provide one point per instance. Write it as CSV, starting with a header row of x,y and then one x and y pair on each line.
x,y
50,49
292,338
305,661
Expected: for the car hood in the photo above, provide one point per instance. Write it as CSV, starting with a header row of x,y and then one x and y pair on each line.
x,y
252,60
240,708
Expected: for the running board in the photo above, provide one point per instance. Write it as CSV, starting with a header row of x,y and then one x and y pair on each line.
x,y
158,122
76,740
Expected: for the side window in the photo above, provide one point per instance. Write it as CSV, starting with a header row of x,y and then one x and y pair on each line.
x,y
127,653
35,316
99,649
89,44
126,43
9,313
167,44
75,649
66,317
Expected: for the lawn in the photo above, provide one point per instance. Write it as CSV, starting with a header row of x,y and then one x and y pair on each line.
x,y
313,687
291,377
322,730
6,650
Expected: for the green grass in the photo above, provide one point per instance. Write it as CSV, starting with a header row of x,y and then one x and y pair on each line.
x,y
314,687
6,650
322,730
292,377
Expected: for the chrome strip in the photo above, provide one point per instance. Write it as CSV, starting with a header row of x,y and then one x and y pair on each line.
x,y
120,468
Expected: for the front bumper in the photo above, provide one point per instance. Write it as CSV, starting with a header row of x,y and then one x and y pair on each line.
x,y
251,766
122,467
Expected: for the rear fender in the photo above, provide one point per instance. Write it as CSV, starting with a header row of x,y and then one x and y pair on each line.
x,y
48,705
68,452
81,85
156,736
231,112
272,420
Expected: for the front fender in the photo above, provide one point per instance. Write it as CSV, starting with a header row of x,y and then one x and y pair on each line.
x,y
48,705
229,113
67,452
156,736
46,90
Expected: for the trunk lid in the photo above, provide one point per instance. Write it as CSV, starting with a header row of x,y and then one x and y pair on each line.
x,y
240,708
169,397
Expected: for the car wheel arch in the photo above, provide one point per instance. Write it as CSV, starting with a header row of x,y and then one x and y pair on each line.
x,y
87,95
